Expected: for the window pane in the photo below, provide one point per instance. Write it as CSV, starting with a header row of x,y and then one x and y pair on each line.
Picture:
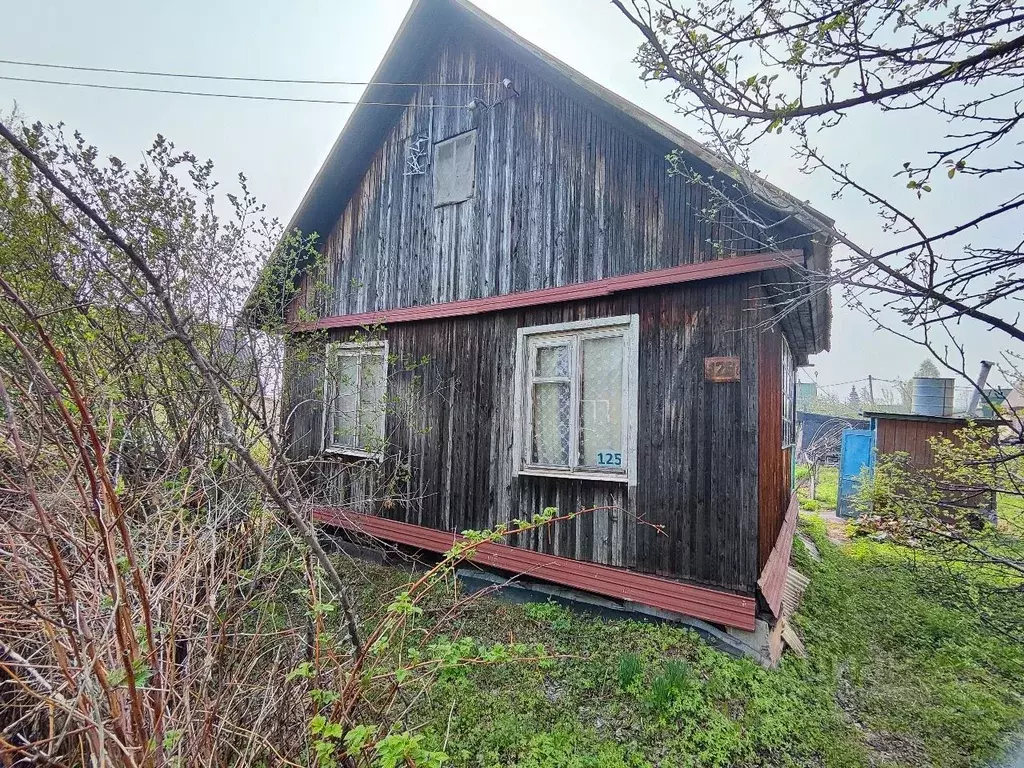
x,y
454,169
371,399
552,361
444,161
465,166
345,401
550,424
788,395
601,404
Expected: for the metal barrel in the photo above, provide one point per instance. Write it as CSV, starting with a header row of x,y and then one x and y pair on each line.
x,y
933,397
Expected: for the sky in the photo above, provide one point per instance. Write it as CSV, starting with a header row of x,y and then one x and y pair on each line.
x,y
280,146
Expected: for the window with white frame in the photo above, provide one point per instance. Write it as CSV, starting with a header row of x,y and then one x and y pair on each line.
x,y
455,169
788,396
354,395
576,399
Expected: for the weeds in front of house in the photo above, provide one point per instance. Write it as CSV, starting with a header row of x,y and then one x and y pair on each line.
x,y
154,609
892,677
630,668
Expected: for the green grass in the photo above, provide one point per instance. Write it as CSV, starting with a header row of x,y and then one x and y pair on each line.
x,y
1011,511
892,678
932,684
826,491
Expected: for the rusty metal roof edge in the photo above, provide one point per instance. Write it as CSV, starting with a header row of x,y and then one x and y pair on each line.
x,y
963,418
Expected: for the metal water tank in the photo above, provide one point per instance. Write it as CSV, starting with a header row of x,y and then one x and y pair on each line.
x,y
932,397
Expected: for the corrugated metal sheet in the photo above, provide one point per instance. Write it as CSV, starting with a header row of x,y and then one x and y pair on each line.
x,y
773,578
712,605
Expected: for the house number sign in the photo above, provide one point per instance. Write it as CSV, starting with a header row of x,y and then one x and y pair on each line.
x,y
609,459
721,369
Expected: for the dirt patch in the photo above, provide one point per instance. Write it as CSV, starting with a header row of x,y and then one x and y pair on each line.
x,y
835,527
884,748
889,748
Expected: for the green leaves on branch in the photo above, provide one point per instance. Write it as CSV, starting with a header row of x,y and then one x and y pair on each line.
x,y
403,606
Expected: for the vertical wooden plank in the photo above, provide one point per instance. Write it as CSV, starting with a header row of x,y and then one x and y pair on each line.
x,y
770,479
747,455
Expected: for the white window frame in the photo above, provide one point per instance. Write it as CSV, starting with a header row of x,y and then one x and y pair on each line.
x,y
788,377
458,142
358,350
527,342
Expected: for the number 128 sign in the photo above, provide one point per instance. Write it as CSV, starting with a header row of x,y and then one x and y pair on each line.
x,y
722,368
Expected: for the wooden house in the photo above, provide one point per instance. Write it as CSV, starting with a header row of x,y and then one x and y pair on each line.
x,y
519,306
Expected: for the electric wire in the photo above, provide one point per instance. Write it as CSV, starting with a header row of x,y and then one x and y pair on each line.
x,y
243,96
226,78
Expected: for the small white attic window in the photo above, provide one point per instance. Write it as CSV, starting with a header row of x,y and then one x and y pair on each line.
x,y
455,169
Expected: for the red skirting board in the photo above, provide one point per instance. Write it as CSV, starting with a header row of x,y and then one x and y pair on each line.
x,y
773,578
711,605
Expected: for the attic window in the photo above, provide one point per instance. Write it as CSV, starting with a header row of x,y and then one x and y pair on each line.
x,y
455,169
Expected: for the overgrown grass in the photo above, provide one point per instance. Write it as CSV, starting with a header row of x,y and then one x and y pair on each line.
x,y
926,683
1011,511
892,678
826,491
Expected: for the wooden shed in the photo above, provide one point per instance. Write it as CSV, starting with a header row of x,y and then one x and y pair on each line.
x,y
910,433
522,307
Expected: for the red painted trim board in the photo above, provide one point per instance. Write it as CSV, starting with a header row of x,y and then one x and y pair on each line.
x,y
700,602
773,578
734,265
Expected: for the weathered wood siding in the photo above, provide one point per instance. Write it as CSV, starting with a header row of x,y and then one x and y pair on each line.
x,y
911,436
449,462
563,195
774,461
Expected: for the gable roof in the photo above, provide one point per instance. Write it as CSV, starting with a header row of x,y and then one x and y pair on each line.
x,y
418,39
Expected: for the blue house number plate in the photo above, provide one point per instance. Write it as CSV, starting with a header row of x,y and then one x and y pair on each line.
x,y
609,459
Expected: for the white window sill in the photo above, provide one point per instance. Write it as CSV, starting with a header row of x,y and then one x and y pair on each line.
x,y
612,477
353,453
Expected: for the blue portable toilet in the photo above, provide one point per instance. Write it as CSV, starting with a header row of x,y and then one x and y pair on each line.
x,y
856,452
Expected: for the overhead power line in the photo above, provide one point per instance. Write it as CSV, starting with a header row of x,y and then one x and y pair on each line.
x,y
225,78
830,385
244,96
